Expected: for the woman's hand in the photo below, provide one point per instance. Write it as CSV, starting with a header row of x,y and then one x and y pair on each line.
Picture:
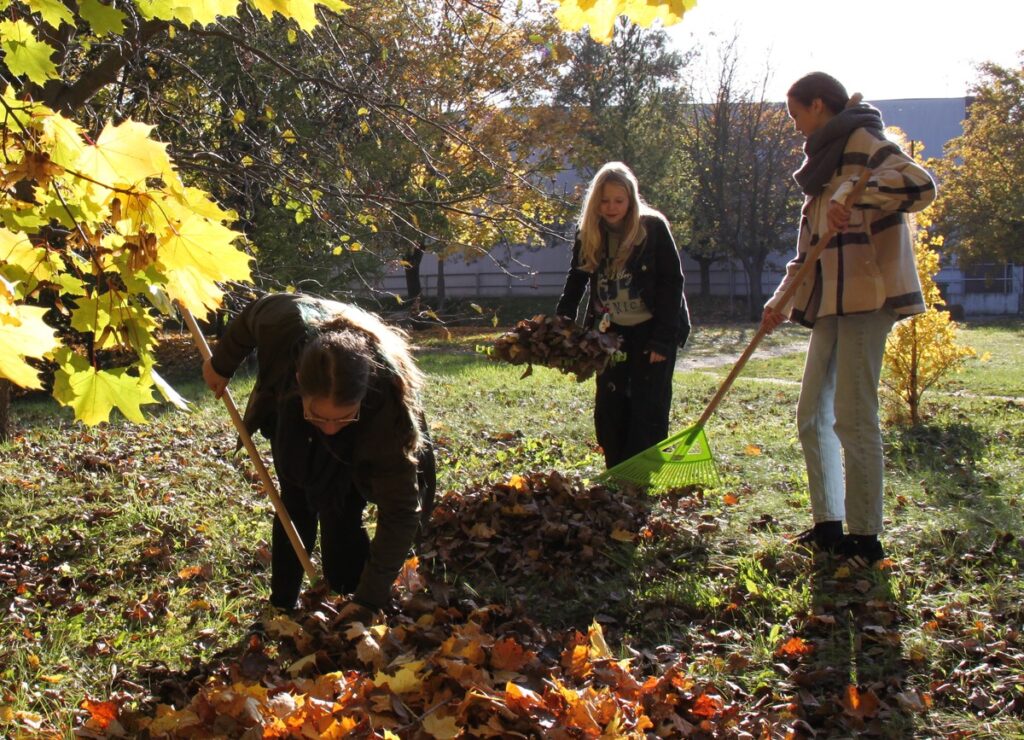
x,y
214,380
657,357
771,319
838,216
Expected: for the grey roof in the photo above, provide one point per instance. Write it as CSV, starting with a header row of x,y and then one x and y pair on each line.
x,y
932,121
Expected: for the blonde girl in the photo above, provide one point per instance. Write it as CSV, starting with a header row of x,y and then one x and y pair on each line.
x,y
624,253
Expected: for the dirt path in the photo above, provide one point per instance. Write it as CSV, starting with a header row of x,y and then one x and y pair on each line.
x,y
702,362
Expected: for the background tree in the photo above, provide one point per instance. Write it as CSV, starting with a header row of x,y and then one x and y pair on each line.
x,y
981,201
923,349
626,102
743,151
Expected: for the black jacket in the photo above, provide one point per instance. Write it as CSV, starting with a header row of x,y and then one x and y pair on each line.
x,y
657,273
277,326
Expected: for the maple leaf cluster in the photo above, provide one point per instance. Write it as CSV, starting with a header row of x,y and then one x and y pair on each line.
x,y
556,342
434,670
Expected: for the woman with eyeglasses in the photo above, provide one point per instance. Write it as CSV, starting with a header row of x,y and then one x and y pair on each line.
x,y
337,395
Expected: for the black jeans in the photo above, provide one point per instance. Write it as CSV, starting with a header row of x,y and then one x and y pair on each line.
x,y
633,398
318,493
344,544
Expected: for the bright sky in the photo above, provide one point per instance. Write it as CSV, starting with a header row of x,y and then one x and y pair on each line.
x,y
885,50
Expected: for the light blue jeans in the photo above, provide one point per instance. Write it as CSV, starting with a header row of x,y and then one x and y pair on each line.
x,y
837,417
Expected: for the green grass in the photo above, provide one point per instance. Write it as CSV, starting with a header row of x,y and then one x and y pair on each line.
x,y
99,529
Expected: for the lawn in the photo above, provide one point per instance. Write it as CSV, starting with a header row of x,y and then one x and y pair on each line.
x,y
133,560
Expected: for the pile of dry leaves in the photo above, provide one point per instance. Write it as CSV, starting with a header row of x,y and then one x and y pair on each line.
x,y
556,342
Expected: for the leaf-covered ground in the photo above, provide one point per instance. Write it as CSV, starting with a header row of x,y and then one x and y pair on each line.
x,y
544,604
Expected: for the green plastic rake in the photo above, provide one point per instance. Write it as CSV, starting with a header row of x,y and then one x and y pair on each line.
x,y
685,458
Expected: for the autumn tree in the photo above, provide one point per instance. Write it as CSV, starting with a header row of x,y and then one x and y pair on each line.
x,y
981,201
743,151
104,228
626,101
102,224
339,127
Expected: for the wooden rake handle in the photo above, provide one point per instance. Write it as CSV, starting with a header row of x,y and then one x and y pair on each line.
x,y
809,262
265,480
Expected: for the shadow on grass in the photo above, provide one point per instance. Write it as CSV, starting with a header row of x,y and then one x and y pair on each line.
x,y
850,682
938,448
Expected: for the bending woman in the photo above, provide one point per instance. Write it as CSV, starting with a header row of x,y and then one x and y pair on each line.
x,y
337,394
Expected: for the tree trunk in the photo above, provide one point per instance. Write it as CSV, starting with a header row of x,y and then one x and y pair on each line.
x,y
755,296
413,284
440,285
705,275
5,410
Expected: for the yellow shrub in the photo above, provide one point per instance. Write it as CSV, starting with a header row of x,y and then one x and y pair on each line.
x,y
922,349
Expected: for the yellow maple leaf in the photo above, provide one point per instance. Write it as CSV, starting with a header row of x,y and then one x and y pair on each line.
x,y
52,12
302,11
61,136
598,646
16,249
93,393
600,15
170,719
205,12
443,727
23,333
24,54
124,156
406,680
196,255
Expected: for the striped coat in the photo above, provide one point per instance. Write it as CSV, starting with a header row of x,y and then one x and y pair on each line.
x,y
871,265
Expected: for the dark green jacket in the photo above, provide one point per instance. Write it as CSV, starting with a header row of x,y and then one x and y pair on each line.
x,y
277,326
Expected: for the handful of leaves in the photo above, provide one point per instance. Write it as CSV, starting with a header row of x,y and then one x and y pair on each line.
x,y
556,342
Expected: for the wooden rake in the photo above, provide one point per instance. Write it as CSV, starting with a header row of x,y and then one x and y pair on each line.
x,y
685,458
266,481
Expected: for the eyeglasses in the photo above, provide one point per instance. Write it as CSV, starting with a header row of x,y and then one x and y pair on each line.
x,y
310,416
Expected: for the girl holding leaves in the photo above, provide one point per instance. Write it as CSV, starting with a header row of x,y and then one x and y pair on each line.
x,y
625,254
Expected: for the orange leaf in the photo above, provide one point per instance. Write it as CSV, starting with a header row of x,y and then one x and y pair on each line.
x,y
195,571
752,450
101,712
856,704
519,483
794,647
509,655
518,698
730,499
707,706
580,666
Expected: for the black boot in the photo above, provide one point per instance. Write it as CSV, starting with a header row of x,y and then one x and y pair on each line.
x,y
822,537
861,550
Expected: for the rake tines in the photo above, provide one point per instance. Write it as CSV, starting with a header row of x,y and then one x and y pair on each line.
x,y
683,459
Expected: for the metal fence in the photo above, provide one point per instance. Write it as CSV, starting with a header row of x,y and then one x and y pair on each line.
x,y
977,295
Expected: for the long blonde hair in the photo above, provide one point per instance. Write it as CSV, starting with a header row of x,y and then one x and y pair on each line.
x,y
349,344
592,243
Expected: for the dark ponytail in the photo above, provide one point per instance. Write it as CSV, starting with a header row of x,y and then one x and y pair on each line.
x,y
820,85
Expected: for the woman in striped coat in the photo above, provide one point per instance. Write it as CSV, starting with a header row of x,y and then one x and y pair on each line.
x,y
866,280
